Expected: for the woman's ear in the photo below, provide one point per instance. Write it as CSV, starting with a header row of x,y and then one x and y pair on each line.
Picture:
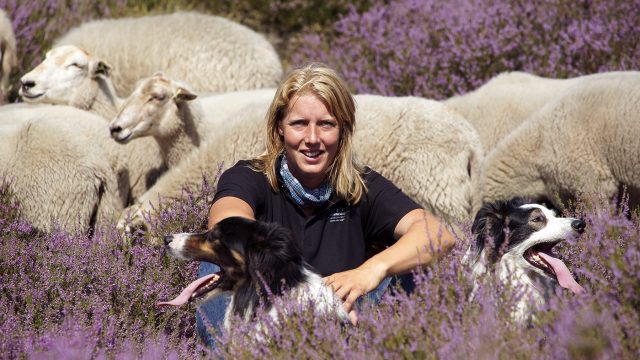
x,y
280,131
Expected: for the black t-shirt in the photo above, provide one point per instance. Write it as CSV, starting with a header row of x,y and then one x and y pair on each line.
x,y
337,238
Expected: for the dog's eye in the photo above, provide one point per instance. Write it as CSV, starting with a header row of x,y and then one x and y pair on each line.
x,y
537,219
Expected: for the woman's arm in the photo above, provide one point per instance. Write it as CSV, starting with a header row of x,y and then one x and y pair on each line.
x,y
421,236
229,206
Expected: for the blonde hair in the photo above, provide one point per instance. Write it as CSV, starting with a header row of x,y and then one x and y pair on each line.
x,y
345,175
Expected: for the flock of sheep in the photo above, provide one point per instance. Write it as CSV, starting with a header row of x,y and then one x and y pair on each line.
x,y
123,112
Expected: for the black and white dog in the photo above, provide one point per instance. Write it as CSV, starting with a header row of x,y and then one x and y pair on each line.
x,y
516,240
258,260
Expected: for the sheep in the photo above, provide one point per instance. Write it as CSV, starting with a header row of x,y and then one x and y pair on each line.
x,y
169,111
58,173
119,157
430,152
500,105
71,76
211,53
8,55
507,100
587,140
227,145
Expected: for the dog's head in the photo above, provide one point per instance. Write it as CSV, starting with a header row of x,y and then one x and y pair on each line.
x,y
253,256
525,234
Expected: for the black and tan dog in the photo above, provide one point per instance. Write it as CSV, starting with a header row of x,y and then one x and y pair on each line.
x,y
258,260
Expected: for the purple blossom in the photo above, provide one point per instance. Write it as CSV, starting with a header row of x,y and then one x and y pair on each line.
x,y
436,49
70,295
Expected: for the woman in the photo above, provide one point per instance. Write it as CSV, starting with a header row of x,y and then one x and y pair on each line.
x,y
308,181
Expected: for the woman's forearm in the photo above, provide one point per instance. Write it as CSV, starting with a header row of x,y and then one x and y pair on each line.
x,y
422,236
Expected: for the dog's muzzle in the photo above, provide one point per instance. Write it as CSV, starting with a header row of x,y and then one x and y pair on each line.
x,y
578,225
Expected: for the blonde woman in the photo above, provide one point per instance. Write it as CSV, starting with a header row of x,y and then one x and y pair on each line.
x,y
308,181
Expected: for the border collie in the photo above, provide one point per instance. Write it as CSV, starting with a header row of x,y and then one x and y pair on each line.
x,y
258,260
516,240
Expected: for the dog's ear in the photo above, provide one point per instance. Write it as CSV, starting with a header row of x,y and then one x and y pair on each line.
x,y
235,233
489,229
275,255
516,202
275,240
549,203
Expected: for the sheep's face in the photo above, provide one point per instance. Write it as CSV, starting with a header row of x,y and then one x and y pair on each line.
x,y
66,75
151,110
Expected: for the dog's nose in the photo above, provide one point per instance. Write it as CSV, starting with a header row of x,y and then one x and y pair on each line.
x,y
578,225
168,239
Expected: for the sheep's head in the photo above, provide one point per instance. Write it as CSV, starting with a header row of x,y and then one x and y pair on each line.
x,y
67,75
151,110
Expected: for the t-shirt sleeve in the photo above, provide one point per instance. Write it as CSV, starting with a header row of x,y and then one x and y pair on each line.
x,y
242,182
385,206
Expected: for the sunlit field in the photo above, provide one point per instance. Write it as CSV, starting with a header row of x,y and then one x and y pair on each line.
x,y
76,295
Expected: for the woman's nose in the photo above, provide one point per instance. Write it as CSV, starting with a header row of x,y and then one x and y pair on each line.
x,y
312,135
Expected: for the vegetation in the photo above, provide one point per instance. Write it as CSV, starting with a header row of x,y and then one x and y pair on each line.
x,y
72,295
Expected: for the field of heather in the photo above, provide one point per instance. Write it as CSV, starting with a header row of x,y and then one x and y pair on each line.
x,y
67,295
76,296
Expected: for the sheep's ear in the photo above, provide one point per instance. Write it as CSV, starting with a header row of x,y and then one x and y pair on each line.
x,y
99,69
183,94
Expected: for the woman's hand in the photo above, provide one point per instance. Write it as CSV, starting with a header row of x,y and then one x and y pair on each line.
x,y
351,284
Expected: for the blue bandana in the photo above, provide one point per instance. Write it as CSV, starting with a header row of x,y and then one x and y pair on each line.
x,y
300,194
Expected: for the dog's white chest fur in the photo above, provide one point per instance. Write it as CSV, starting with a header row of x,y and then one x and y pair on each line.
x,y
312,294
532,290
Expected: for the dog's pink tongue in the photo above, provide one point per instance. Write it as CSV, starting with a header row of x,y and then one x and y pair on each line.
x,y
562,273
185,295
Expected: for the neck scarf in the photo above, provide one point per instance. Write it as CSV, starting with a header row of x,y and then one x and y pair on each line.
x,y
300,194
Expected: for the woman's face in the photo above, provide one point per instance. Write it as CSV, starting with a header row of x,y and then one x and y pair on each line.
x,y
311,137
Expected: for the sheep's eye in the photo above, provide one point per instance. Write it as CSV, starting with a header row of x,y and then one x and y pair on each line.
x,y
75,65
158,97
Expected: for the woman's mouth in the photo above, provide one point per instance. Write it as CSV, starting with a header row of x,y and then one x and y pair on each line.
x,y
311,154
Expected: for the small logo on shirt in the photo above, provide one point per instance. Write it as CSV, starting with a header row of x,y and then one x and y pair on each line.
x,y
338,214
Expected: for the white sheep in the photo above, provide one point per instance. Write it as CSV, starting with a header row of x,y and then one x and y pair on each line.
x,y
58,172
71,76
504,102
8,55
210,53
119,157
430,152
587,140
170,112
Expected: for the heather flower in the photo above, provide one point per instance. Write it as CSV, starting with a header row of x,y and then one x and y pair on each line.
x,y
436,49
73,295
